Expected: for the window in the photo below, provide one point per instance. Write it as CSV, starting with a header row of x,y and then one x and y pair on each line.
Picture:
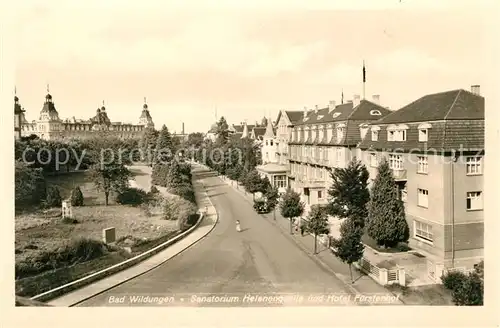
x,y
335,115
320,194
390,135
340,134
422,135
423,198
396,162
373,160
280,181
271,142
374,135
473,165
423,165
474,201
375,112
338,154
267,143
423,231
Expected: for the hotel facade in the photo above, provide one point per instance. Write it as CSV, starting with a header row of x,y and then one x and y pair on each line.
x,y
434,146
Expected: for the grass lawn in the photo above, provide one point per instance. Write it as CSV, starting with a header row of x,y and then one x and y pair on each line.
x,y
44,230
367,240
423,295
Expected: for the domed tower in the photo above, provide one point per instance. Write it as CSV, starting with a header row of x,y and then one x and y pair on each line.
x,y
49,123
263,122
146,120
101,120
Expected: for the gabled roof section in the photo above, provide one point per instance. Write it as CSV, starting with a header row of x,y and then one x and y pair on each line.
x,y
368,111
294,116
269,133
449,105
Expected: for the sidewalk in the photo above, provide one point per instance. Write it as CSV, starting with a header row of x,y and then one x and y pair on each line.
x,y
362,284
208,223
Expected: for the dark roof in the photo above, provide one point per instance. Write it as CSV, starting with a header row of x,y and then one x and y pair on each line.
x,y
450,105
259,131
294,116
351,116
456,118
239,127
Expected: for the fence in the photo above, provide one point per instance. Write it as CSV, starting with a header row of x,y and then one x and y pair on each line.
x,y
381,275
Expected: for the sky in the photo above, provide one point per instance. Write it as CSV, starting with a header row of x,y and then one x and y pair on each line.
x,y
191,62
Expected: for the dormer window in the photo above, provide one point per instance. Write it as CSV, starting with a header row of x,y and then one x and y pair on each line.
x,y
363,128
335,115
375,112
340,132
423,132
397,133
319,117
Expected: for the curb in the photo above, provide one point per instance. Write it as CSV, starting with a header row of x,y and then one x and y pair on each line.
x,y
87,280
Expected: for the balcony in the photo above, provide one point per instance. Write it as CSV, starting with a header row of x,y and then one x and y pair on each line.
x,y
399,174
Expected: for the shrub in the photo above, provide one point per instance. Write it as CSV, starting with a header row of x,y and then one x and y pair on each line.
x,y
30,185
131,196
75,251
187,222
76,197
153,190
177,208
53,198
454,279
183,190
154,205
67,220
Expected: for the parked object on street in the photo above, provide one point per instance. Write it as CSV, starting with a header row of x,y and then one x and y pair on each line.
x,y
261,206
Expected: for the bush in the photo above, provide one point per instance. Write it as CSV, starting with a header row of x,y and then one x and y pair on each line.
x,y
75,251
30,185
76,197
153,190
453,279
154,205
177,208
188,222
183,190
53,198
132,196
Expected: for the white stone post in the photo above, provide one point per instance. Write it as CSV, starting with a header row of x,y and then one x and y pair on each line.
x,y
401,276
383,277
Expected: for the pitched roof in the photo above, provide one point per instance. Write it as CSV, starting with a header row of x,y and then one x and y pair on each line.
x,y
456,122
294,116
269,133
258,131
449,105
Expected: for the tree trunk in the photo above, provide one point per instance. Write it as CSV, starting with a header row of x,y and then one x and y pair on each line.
x,y
274,214
315,243
106,194
253,196
350,271
291,228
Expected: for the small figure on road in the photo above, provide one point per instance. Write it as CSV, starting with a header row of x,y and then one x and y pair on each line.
x,y
238,226
302,229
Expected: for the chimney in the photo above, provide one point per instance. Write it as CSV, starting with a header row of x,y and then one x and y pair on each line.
x,y
305,111
316,109
356,100
376,99
475,89
183,128
331,105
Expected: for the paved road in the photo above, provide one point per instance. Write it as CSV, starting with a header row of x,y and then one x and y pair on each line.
x,y
259,261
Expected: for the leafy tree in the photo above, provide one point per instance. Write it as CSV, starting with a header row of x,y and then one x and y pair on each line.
x,y
317,223
131,196
349,194
30,185
76,197
148,143
386,215
272,197
195,139
264,185
222,131
349,248
291,206
253,182
164,145
110,177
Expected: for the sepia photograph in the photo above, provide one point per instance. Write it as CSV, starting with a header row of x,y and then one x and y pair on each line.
x,y
219,156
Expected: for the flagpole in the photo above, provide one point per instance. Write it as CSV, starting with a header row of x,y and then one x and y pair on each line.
x,y
364,79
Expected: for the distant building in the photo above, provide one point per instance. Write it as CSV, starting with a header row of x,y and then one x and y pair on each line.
x,y
50,126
